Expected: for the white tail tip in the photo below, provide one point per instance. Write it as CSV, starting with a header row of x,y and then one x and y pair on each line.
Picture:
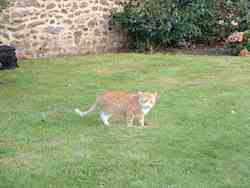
x,y
79,112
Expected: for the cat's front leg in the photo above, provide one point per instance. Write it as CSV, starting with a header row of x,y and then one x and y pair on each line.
x,y
141,121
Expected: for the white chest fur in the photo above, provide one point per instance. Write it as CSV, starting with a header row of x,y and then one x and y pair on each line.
x,y
146,109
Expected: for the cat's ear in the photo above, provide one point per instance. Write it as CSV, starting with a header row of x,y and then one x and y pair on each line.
x,y
156,94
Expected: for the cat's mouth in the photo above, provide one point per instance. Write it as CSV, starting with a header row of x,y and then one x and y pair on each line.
x,y
146,109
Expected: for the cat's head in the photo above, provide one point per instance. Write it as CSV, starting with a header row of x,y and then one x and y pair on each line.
x,y
147,100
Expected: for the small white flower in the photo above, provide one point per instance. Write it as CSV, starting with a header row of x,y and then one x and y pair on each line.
x,y
221,22
234,23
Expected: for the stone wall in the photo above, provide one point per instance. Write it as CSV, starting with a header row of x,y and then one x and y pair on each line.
x,y
45,28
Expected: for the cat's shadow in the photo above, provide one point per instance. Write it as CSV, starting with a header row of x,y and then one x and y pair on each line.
x,y
91,121
117,122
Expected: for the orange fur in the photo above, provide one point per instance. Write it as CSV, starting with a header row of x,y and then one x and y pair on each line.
x,y
122,103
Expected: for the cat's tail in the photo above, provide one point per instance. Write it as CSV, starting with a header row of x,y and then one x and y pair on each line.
x,y
83,114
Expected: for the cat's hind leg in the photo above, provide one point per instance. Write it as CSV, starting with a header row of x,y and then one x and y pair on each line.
x,y
130,120
105,117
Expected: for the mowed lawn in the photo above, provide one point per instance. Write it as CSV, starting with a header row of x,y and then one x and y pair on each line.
x,y
199,133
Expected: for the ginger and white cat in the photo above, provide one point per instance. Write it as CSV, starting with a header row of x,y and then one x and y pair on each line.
x,y
130,106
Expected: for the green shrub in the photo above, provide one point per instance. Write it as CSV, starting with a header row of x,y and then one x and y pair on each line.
x,y
3,4
247,34
244,15
246,42
154,24
235,48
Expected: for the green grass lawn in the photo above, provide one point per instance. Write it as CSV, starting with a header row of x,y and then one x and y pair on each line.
x,y
199,138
